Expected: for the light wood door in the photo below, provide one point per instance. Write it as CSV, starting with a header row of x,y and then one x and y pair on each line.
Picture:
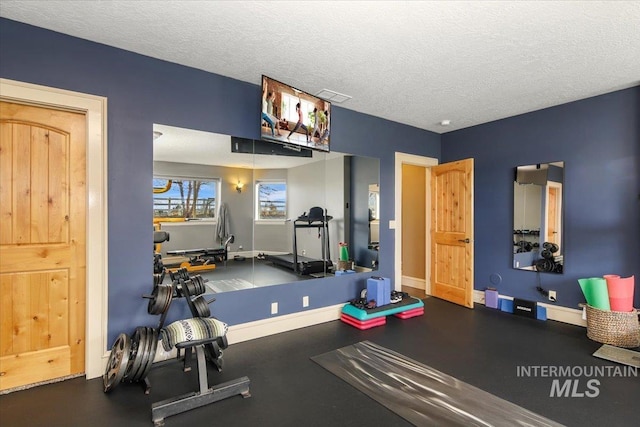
x,y
452,232
552,215
42,244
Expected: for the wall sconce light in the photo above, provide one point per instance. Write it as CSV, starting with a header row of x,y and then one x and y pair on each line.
x,y
239,186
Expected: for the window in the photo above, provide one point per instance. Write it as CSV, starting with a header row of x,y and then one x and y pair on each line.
x,y
185,198
289,108
271,200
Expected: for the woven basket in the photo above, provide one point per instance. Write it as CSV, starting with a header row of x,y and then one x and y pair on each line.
x,y
617,328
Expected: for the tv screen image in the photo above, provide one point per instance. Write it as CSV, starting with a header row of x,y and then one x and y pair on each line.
x,y
293,117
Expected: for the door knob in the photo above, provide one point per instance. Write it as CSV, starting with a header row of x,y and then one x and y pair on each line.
x,y
464,240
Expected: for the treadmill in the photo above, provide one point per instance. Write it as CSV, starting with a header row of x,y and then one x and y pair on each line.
x,y
302,265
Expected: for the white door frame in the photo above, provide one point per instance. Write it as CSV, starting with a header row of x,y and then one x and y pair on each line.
x,y
410,159
95,109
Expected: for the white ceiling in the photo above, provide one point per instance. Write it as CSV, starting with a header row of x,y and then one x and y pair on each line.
x,y
413,62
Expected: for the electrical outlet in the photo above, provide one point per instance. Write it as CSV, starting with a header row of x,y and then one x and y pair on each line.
x,y
274,308
304,252
552,296
240,247
305,301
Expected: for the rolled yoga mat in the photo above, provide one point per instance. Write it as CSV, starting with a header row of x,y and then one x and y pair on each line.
x,y
595,292
620,291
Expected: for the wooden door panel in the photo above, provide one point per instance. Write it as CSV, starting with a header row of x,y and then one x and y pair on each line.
x,y
41,257
42,246
452,232
35,311
28,368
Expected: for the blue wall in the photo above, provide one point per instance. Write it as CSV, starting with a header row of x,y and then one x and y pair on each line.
x,y
597,138
142,91
599,141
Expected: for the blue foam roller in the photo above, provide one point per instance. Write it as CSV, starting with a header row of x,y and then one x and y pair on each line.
x,y
506,305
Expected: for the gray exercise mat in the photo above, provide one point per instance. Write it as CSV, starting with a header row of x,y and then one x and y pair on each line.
x,y
619,355
422,395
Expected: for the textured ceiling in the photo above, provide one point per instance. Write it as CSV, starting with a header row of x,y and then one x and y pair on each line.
x,y
412,62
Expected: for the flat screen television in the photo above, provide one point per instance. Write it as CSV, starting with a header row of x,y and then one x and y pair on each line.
x,y
293,117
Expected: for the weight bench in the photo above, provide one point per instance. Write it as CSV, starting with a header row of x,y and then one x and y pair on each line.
x,y
204,258
207,348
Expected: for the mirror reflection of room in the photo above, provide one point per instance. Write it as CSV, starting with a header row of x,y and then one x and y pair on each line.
x,y
537,218
236,213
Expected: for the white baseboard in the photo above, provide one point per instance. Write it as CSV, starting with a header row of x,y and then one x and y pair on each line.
x,y
554,312
258,329
414,282
288,322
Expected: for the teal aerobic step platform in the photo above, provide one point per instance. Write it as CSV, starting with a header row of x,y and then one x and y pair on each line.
x,y
384,310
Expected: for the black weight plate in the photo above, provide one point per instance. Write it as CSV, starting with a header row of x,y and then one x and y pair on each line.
x,y
189,288
135,359
201,307
147,356
157,279
135,339
152,333
198,285
152,307
168,299
140,354
158,304
546,254
117,363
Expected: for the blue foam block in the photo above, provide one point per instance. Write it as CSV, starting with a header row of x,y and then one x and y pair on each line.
x,y
541,312
381,286
343,272
491,298
375,290
506,305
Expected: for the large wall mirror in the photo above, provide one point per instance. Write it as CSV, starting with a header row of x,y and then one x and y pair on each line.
x,y
208,186
537,217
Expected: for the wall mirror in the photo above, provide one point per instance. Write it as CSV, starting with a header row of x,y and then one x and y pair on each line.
x,y
263,193
537,217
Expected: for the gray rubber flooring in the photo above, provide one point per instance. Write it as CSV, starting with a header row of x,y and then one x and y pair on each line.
x,y
482,347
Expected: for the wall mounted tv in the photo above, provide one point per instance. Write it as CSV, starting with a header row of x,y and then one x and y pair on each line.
x,y
293,117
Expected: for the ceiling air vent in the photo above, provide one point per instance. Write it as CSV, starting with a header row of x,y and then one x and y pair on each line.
x,y
332,96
